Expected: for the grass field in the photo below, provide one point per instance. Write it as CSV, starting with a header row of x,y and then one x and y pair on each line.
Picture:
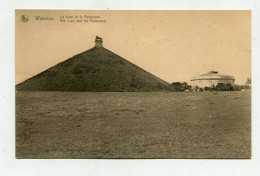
x,y
133,125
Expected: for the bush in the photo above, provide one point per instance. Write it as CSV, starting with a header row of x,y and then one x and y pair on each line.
x,y
178,86
223,87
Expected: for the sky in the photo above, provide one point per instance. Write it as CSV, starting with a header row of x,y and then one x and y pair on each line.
x,y
172,45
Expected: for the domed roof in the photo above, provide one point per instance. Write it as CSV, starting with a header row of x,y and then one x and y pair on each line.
x,y
212,75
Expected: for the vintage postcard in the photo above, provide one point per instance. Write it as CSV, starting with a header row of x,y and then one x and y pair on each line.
x,y
133,84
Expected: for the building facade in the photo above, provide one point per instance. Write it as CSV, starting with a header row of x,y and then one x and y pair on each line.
x,y
211,79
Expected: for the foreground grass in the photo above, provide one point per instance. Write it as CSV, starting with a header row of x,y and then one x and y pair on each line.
x,y
133,125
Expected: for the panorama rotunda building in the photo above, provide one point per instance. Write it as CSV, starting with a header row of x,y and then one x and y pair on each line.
x,y
211,79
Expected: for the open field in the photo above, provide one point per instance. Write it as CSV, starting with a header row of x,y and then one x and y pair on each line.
x,y
133,125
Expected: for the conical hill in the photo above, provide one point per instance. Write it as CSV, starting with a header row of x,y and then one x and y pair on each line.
x,y
95,70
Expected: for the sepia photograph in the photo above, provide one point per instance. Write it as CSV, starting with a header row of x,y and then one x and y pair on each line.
x,y
133,84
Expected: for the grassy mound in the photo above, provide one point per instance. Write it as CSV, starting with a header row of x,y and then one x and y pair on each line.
x,y
95,70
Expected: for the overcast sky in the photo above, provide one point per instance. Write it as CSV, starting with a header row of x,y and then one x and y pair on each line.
x,y
173,45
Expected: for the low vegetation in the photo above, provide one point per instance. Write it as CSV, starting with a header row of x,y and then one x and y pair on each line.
x,y
184,86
